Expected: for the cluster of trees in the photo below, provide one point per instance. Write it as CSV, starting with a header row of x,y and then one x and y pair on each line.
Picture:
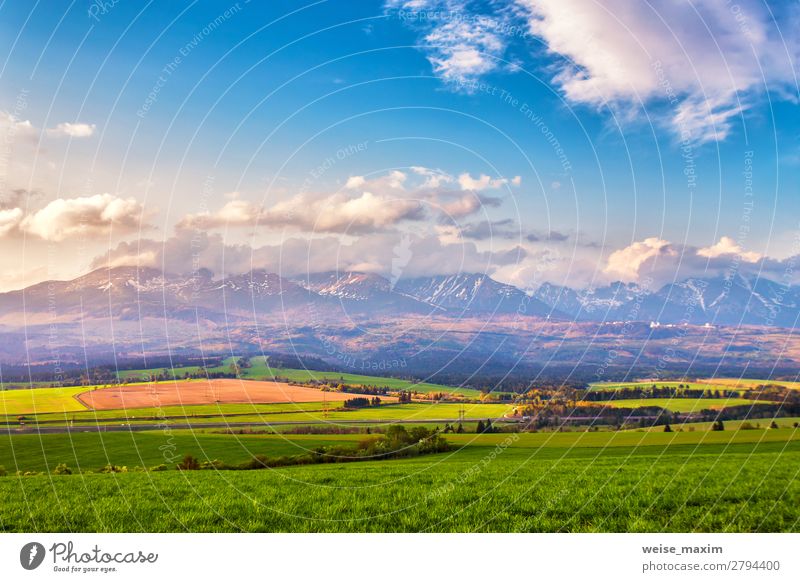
x,y
448,428
362,402
773,393
485,427
404,397
360,389
635,392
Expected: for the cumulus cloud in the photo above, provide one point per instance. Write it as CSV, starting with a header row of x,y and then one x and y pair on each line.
x,y
233,213
296,256
355,182
76,130
460,45
340,213
484,182
662,262
433,178
9,220
364,205
695,69
15,128
728,247
462,51
705,63
336,213
625,263
454,206
85,216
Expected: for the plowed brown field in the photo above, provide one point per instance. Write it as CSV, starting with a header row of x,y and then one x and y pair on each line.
x,y
225,391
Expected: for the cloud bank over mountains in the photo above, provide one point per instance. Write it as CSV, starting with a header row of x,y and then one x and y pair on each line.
x,y
417,221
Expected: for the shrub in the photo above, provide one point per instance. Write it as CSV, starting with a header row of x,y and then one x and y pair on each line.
x,y
189,463
3,471
113,469
161,467
62,469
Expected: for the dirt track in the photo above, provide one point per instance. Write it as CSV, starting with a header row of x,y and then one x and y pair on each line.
x,y
204,392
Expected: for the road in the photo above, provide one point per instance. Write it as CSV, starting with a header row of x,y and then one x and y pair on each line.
x,y
203,425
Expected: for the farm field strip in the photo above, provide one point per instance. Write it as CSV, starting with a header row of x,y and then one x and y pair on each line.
x,y
42,400
679,404
188,411
755,423
287,413
750,383
207,392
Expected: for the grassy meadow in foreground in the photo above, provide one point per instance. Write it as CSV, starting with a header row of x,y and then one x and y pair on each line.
x,y
624,481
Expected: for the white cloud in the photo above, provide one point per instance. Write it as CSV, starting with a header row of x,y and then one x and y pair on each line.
x,y
293,257
462,51
728,247
484,182
460,45
625,263
339,213
465,204
13,128
705,60
448,234
364,205
355,182
86,216
397,179
433,178
9,220
76,130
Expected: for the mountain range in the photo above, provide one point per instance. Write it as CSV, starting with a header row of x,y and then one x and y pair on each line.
x,y
129,293
437,325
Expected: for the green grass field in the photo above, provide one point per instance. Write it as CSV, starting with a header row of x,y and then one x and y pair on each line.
x,y
189,411
40,400
680,404
311,412
692,479
750,383
737,481
758,423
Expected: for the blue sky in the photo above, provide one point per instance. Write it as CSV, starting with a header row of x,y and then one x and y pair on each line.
x,y
623,124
